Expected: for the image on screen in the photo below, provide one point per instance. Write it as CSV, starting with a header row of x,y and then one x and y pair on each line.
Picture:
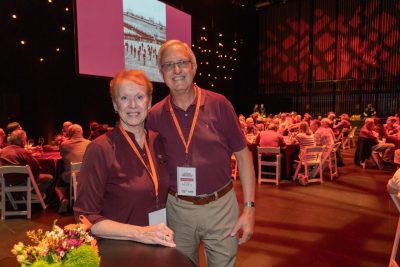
x,y
125,34
145,30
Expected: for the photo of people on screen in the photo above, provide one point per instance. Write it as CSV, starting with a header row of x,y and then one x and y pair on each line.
x,y
144,32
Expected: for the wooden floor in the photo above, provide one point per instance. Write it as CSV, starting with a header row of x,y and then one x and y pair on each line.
x,y
348,222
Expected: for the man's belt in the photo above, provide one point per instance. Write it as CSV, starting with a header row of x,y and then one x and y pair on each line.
x,y
204,199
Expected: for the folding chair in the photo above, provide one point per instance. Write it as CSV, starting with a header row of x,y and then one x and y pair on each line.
x,y
7,190
311,162
75,168
332,161
348,142
274,162
343,135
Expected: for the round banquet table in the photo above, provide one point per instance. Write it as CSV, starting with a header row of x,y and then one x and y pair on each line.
x,y
129,253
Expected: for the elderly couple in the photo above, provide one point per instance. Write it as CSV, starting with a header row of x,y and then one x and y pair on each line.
x,y
134,182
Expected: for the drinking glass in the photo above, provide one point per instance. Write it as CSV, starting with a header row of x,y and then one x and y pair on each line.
x,y
41,141
30,143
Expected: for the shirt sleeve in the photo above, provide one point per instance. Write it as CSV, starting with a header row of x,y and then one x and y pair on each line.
x,y
92,181
233,131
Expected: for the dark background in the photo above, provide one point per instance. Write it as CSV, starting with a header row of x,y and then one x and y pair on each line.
x,y
41,95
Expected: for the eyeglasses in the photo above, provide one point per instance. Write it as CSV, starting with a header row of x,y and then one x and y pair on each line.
x,y
170,66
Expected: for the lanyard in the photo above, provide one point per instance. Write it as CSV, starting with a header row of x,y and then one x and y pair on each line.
x,y
152,173
178,127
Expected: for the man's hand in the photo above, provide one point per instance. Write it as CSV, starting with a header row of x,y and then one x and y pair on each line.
x,y
245,224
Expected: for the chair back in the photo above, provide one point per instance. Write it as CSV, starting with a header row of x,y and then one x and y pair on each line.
x,y
7,190
352,132
272,160
75,168
268,150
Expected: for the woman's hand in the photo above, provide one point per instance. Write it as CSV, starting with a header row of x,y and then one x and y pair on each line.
x,y
157,234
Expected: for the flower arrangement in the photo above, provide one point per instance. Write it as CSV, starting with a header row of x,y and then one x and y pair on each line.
x,y
71,246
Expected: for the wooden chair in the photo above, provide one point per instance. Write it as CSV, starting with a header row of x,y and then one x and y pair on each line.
x,y
75,168
310,159
7,190
348,142
332,161
269,176
234,167
343,135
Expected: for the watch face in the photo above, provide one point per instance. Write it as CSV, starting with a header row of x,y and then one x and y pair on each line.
x,y
249,204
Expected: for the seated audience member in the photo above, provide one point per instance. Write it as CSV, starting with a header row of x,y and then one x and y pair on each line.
x,y
14,154
305,137
307,118
71,150
369,111
390,127
12,126
242,118
271,137
314,125
63,135
2,138
260,127
324,136
344,123
332,116
367,132
285,122
251,131
95,130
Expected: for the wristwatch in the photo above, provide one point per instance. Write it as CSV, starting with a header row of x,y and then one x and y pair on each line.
x,y
249,204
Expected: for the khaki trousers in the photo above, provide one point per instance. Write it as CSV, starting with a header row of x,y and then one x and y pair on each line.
x,y
211,224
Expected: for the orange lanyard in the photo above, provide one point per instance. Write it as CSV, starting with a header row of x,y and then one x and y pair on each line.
x,y
178,127
152,172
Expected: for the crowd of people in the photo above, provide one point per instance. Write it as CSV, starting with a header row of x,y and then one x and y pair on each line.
x,y
262,130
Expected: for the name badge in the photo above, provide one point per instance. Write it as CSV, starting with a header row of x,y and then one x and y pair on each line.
x,y
157,217
186,181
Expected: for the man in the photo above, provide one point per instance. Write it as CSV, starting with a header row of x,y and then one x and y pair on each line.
x,y
201,131
271,137
344,123
369,111
367,132
324,135
71,150
63,135
14,154
390,127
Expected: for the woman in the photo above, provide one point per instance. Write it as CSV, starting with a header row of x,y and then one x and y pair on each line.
x,y
123,182
305,138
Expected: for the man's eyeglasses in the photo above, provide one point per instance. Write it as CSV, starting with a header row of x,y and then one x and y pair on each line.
x,y
170,66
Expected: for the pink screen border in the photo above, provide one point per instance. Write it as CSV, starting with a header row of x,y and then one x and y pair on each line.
x,y
99,27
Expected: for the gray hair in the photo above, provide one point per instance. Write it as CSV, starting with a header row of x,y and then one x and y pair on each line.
x,y
164,47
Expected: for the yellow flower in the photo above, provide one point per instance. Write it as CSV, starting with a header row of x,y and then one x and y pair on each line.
x,y
20,258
